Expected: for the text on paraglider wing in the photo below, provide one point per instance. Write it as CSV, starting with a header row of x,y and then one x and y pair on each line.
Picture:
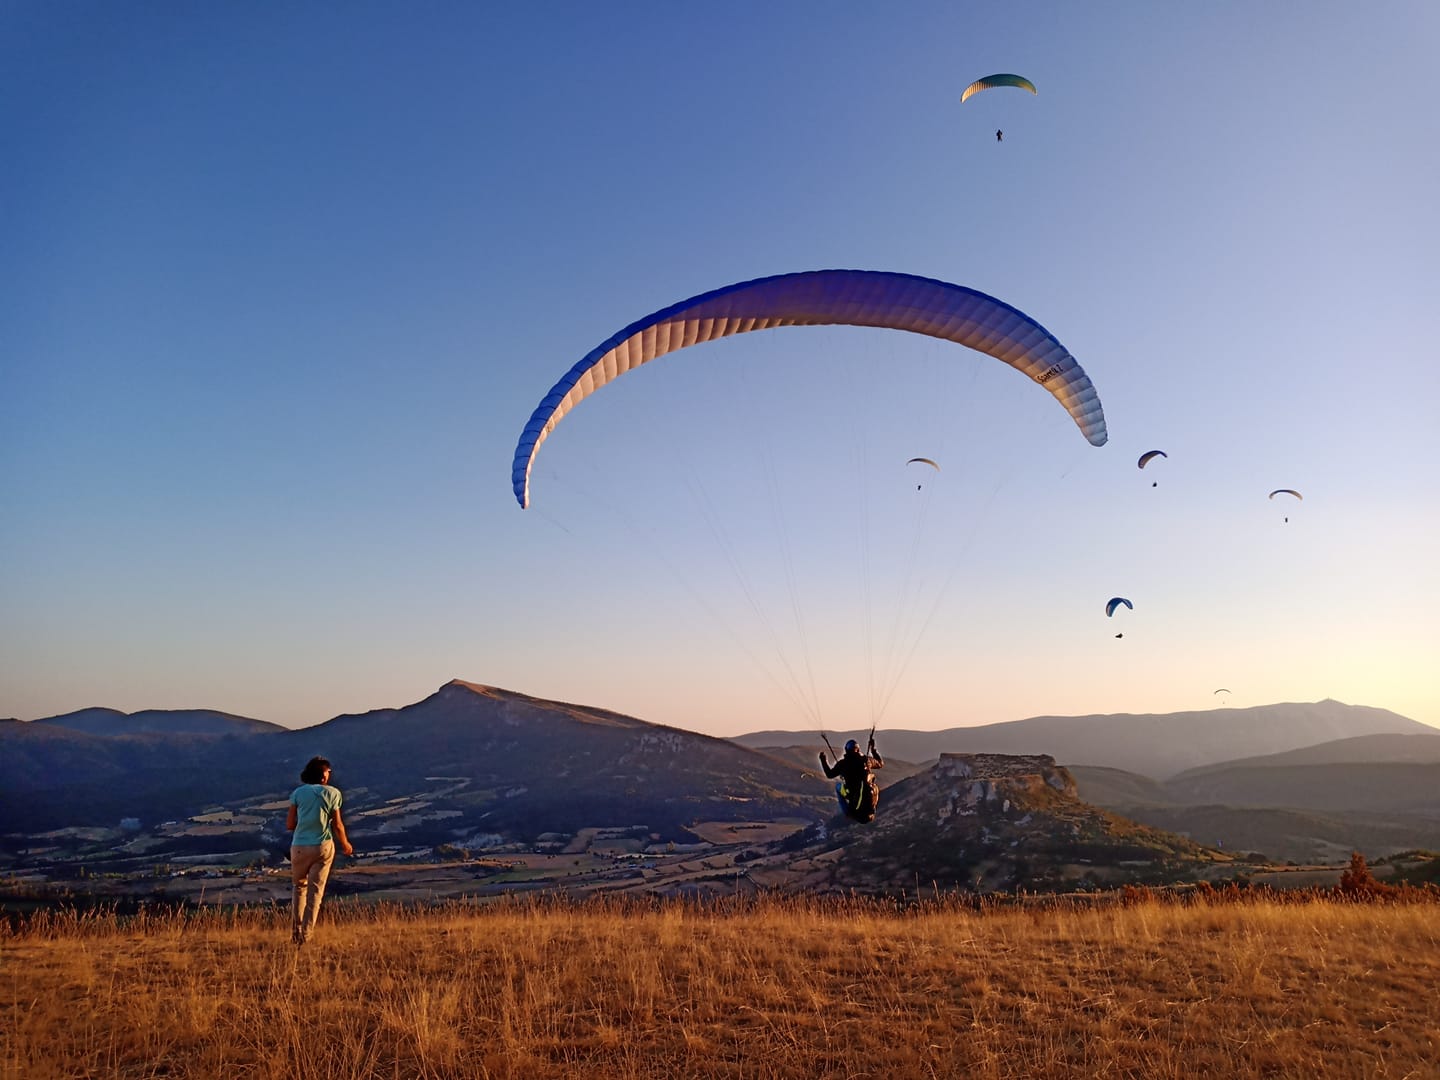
x,y
1048,375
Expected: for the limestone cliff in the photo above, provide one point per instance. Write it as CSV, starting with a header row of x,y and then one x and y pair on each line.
x,y
1000,821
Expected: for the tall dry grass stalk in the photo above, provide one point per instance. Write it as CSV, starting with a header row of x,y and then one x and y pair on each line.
x,y
772,988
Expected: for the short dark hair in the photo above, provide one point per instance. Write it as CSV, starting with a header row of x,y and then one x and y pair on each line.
x,y
314,771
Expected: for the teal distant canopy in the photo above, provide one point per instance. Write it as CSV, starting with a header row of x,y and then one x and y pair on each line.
x,y
992,81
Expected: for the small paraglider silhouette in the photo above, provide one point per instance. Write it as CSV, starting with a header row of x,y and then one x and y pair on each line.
x,y
1149,456
1113,603
923,461
1287,491
992,81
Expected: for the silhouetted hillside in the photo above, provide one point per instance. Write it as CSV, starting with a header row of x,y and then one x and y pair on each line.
x,y
1361,749
554,766
1154,745
1375,788
467,759
1302,836
159,722
1302,813
1116,787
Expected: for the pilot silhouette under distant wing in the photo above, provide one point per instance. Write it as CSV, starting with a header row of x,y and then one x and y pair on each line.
x,y
999,135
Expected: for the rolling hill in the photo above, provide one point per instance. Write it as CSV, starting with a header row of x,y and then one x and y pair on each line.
x,y
97,721
1313,804
1154,745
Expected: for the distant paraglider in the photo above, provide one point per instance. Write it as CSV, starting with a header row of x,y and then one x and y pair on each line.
x,y
1112,604
1287,491
923,461
1149,456
822,298
992,81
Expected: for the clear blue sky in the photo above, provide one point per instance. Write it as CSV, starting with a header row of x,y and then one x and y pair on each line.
x,y
281,284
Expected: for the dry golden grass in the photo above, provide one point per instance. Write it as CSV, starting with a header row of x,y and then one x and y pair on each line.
x,y
767,988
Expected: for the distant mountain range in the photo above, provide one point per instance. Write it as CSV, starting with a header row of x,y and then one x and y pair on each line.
x,y
1294,781
471,763
1151,744
159,722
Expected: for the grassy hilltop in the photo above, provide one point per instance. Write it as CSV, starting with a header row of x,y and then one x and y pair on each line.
x,y
768,987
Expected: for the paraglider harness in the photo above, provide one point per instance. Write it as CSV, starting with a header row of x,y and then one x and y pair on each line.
x,y
858,791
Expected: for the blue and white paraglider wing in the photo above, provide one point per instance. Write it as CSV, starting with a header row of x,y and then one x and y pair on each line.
x,y
823,298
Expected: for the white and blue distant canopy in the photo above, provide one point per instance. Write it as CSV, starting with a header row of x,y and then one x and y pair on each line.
x,y
823,298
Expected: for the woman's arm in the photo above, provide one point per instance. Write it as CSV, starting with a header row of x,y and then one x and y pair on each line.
x,y
338,828
292,818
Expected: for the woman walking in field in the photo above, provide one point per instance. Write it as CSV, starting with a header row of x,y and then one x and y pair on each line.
x,y
314,818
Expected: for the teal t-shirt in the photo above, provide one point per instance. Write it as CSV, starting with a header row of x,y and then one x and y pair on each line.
x,y
315,805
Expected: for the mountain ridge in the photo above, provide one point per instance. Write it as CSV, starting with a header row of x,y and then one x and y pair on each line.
x,y
1157,745
99,720
472,765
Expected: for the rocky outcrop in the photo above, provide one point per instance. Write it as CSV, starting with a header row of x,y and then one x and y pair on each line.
x,y
969,783
1002,821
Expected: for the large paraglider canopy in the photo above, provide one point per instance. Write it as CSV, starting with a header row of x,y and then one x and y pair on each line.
x,y
992,81
823,298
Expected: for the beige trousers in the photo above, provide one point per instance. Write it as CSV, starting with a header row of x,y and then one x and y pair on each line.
x,y
309,870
